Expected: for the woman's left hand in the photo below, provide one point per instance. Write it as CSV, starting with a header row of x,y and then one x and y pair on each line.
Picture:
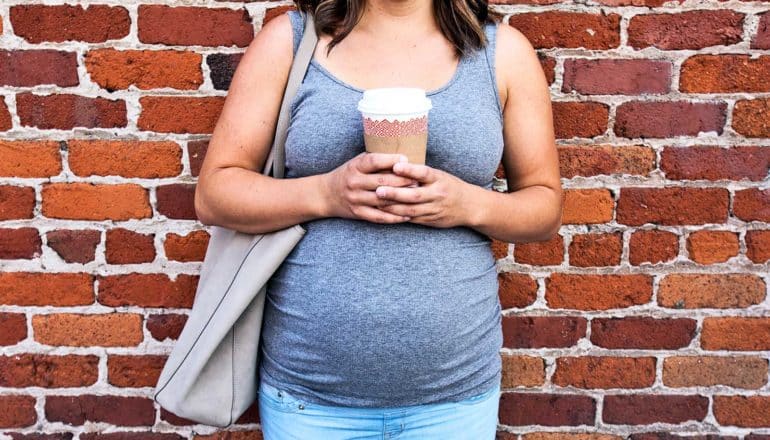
x,y
439,200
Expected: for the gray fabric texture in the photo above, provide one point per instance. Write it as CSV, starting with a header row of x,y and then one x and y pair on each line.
x,y
365,314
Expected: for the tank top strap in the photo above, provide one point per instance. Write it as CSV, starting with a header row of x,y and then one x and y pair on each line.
x,y
490,29
297,27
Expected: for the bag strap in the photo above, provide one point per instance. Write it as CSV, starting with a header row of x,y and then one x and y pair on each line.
x,y
298,69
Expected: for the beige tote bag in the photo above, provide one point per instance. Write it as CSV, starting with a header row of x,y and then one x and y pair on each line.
x,y
211,374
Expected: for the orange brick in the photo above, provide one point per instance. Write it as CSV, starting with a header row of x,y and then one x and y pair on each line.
x,y
734,371
522,371
86,330
86,201
29,158
709,247
690,291
604,372
597,292
46,288
145,69
736,333
587,206
142,159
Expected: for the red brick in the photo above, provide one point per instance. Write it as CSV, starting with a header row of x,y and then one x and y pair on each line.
x,y
88,330
190,247
500,249
711,247
728,73
159,114
604,372
48,371
752,204
166,325
745,411
652,246
661,119
597,291
16,202
516,290
13,328
696,290
115,410
134,371
540,253
542,331
758,246
124,246
589,250
588,161
194,26
67,111
736,333
521,409
672,206
583,206
734,371
86,201
74,246
549,67
29,158
37,23
527,371
762,39
568,29
147,290
144,69
29,68
17,411
700,162
647,409
20,243
196,151
579,119
616,76
5,116
177,201
139,435
686,30
751,117
126,158
271,13
642,332
46,288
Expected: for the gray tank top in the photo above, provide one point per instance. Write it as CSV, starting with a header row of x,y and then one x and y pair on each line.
x,y
382,315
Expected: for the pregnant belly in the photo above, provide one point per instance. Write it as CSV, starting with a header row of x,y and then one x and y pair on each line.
x,y
416,317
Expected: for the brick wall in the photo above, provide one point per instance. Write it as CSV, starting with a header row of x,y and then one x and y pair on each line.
x,y
646,317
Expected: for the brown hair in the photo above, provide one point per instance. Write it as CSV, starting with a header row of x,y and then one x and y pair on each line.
x,y
461,21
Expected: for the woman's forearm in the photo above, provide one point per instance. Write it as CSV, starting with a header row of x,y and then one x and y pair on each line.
x,y
254,203
529,214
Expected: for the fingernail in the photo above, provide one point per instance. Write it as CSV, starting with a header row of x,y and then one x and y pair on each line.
x,y
380,191
403,158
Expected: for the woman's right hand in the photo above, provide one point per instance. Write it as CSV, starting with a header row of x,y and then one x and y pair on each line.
x,y
350,188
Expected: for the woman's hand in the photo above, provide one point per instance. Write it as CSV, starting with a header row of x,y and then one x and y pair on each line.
x,y
350,187
439,200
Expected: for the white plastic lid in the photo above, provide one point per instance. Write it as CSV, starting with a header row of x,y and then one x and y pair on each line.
x,y
394,100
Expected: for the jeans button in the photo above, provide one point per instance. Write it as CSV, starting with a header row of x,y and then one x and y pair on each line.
x,y
301,406
280,394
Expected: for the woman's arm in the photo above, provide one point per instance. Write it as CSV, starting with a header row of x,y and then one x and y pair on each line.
x,y
231,191
531,210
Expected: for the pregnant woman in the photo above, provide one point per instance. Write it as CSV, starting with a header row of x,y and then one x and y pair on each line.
x,y
384,321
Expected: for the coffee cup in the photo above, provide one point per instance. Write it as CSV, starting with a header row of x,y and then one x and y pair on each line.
x,y
396,121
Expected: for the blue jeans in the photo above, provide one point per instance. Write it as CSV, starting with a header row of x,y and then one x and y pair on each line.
x,y
285,417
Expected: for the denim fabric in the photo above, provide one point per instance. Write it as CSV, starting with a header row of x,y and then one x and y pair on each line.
x,y
284,416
